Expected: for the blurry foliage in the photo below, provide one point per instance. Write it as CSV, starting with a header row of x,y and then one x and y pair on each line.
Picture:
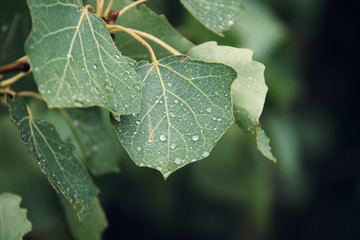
x,y
224,197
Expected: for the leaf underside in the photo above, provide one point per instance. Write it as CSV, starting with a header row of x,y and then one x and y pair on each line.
x,y
216,15
55,157
74,60
91,227
13,221
97,138
248,90
185,108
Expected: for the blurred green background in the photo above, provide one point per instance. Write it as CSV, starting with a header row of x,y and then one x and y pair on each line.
x,y
309,49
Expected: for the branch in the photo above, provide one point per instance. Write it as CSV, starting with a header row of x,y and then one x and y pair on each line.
x,y
20,65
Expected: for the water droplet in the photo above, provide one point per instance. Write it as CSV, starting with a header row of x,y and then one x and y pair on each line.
x,y
169,84
109,89
95,66
162,138
138,149
173,146
209,110
250,77
195,138
132,64
177,161
176,101
248,86
117,56
137,122
205,154
230,22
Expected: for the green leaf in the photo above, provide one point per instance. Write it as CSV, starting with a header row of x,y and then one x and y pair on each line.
x,y
91,227
55,157
216,15
13,221
248,90
185,108
75,62
96,137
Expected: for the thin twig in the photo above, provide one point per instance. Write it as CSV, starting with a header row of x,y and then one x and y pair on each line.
x,y
156,40
31,94
21,64
137,37
108,9
13,79
130,6
99,7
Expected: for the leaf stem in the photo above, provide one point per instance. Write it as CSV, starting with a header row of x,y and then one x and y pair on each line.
x,y
75,132
130,6
156,40
13,79
31,94
108,9
99,7
137,37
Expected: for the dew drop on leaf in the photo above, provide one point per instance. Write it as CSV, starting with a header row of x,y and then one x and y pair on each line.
x,y
162,138
177,161
195,138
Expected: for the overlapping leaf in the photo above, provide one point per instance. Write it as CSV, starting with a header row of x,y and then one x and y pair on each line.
x,y
217,15
91,227
248,90
55,158
185,108
97,139
13,221
75,62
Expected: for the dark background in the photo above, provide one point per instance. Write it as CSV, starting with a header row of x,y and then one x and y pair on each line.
x,y
310,49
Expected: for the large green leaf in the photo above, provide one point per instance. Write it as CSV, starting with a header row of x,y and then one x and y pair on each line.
x,y
75,62
91,227
13,222
185,108
96,137
248,90
55,158
216,15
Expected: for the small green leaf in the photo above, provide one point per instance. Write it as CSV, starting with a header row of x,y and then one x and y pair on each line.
x,y
13,222
97,138
216,15
185,108
83,68
91,227
248,90
55,157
